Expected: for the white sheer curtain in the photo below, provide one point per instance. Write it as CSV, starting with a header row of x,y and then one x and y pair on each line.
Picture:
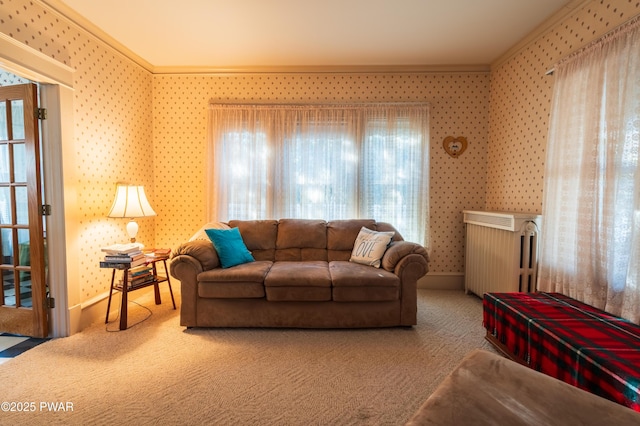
x,y
316,171
321,161
591,235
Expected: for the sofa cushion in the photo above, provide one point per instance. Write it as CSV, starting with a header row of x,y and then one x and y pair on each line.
x,y
370,247
301,240
229,246
241,281
341,235
259,236
387,227
301,233
226,290
298,281
301,254
354,282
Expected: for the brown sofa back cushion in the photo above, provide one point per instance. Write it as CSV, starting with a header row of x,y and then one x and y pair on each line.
x,y
301,240
386,227
259,236
304,239
341,236
301,233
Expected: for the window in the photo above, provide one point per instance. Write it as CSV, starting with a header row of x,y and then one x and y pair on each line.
x,y
246,177
591,234
328,162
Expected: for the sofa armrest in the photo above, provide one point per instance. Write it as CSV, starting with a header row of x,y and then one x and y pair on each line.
x,y
201,251
187,262
398,250
409,261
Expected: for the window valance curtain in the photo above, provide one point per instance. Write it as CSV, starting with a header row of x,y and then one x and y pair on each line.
x,y
339,161
591,235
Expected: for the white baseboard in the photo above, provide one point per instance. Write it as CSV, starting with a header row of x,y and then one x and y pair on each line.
x,y
94,310
75,318
442,281
89,312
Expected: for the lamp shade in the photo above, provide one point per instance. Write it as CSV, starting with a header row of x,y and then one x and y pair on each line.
x,y
130,202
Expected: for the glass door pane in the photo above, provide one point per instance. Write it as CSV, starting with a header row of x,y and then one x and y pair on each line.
x,y
8,279
4,132
17,119
24,260
15,265
19,165
22,209
4,162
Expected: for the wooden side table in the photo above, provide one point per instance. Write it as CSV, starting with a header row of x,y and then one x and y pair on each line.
x,y
125,288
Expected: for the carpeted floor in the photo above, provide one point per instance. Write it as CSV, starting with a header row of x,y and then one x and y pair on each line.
x,y
157,372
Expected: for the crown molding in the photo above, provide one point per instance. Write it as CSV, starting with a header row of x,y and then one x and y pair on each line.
x,y
322,69
64,11
540,30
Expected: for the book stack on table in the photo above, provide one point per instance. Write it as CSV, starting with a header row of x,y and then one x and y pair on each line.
x,y
139,275
121,256
157,254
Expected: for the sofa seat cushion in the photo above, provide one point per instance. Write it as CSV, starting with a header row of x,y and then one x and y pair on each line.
x,y
241,281
354,282
298,281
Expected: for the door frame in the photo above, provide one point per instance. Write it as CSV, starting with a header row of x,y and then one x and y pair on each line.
x,y
56,95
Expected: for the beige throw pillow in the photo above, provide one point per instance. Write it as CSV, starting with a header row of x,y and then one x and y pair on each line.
x,y
370,247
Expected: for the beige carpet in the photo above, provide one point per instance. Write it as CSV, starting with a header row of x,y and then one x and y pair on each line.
x,y
157,372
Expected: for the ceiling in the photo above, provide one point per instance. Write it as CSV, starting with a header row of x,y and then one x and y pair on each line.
x,y
235,34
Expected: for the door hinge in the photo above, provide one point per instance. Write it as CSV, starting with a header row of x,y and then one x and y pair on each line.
x,y
45,210
41,113
51,303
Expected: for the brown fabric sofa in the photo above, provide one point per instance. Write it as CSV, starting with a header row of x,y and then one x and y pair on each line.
x,y
301,278
487,389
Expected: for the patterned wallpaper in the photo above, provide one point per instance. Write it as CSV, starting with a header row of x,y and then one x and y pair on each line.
x,y
151,129
8,79
112,131
459,107
521,101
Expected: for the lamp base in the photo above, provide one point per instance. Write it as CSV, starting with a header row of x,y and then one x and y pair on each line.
x,y
132,230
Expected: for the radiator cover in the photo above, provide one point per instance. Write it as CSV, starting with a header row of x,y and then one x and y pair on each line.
x,y
501,251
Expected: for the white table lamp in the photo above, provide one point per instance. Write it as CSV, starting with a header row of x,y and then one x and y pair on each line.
x,y
131,202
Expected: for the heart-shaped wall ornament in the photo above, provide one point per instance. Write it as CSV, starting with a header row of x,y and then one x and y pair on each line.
x,y
455,146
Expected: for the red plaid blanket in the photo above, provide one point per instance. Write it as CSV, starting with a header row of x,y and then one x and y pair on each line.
x,y
569,340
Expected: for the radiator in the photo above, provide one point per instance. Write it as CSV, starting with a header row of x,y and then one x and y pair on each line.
x,y
501,253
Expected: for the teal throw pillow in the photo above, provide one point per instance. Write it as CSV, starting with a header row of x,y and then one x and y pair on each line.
x,y
230,246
